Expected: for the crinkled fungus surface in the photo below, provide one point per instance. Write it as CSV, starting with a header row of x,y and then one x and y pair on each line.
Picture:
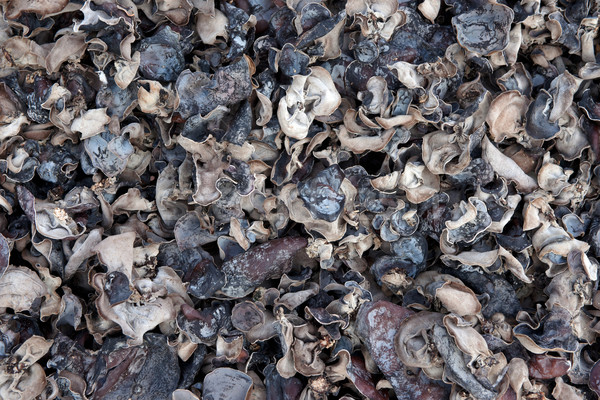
x,y
299,199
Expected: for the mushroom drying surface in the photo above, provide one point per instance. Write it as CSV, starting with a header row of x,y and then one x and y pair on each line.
x,y
299,199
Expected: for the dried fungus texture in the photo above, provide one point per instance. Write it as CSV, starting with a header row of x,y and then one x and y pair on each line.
x,y
299,199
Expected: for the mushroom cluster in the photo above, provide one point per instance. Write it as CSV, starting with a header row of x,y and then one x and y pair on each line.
x,y
299,199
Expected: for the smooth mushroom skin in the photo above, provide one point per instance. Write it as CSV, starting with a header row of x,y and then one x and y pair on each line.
x,y
538,124
291,61
507,115
507,168
246,315
281,388
458,298
91,123
117,287
594,380
361,378
211,26
200,273
547,367
412,248
227,382
565,391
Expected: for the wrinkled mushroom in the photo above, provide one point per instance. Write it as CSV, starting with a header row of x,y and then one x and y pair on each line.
x,y
309,96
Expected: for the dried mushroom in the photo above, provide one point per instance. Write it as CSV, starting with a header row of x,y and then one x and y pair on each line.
x,y
300,199
226,383
308,97
377,330
484,29
134,371
246,271
22,377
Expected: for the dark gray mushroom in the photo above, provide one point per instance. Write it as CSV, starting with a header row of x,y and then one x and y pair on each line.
x,y
270,260
552,333
484,29
539,125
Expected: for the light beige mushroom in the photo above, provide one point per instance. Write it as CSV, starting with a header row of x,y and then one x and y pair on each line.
x,y
506,115
309,96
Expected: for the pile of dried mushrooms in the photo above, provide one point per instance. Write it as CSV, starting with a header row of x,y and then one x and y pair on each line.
x,y
299,199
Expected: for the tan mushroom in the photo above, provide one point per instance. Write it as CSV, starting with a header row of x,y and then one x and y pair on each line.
x,y
506,115
308,97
